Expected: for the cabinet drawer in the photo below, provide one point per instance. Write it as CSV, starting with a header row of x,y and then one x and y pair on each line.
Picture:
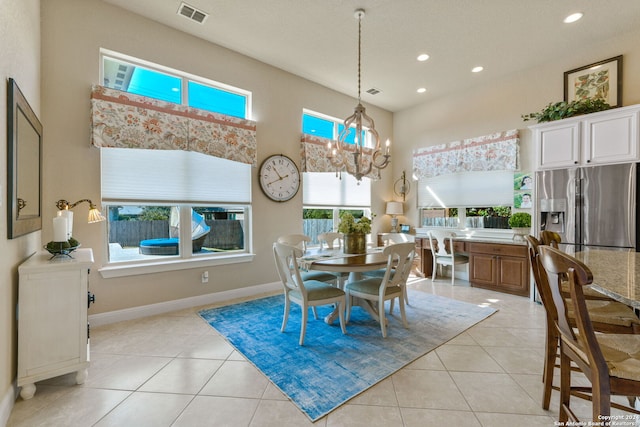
x,y
498,249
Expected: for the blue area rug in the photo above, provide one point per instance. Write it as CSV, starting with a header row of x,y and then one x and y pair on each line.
x,y
331,368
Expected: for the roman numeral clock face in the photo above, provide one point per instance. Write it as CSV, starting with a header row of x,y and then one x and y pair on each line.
x,y
279,178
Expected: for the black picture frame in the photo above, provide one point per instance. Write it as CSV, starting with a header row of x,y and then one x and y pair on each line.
x,y
602,79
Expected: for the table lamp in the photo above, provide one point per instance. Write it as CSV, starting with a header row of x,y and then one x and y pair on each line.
x,y
393,209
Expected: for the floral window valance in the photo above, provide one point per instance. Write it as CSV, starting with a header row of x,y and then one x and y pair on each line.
x,y
313,151
498,151
125,120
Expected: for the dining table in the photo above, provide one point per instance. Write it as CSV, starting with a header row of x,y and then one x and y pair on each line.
x,y
336,261
615,274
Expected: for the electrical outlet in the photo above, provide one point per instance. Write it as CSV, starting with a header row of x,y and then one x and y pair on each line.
x,y
205,277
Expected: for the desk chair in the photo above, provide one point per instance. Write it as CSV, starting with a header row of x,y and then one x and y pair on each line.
x,y
441,243
388,287
305,293
611,362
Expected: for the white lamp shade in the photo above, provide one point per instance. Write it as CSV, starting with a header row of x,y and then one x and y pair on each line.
x,y
394,208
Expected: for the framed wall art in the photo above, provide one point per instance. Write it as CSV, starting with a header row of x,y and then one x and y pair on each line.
x,y
600,80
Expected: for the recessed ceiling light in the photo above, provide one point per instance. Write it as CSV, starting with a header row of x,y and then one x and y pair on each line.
x,y
572,18
422,90
423,57
477,69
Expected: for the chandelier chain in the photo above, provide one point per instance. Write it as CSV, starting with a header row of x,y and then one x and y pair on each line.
x,y
359,51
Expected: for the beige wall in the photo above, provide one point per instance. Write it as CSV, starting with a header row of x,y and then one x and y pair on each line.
x,y
73,31
20,59
499,105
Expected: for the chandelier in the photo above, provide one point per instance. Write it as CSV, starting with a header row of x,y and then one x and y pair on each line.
x,y
364,159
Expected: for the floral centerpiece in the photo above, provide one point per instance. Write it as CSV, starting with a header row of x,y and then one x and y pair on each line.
x,y
355,233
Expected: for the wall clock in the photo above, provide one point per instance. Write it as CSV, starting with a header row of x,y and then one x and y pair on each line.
x,y
279,178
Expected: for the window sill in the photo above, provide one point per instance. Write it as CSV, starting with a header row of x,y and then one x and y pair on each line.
x,y
122,270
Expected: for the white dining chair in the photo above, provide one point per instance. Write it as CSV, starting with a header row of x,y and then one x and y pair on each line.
x,y
441,243
387,288
305,293
300,241
330,239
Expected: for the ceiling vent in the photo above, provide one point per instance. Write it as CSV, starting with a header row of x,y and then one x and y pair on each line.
x,y
373,91
192,13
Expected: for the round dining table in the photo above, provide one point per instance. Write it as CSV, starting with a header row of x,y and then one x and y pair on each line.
x,y
354,265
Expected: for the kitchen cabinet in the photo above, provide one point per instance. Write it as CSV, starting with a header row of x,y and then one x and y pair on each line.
x,y
499,267
53,333
605,137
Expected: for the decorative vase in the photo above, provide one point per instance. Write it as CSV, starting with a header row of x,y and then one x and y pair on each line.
x,y
520,232
355,243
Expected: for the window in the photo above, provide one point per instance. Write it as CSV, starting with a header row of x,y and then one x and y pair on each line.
x,y
327,127
154,200
133,75
173,209
325,197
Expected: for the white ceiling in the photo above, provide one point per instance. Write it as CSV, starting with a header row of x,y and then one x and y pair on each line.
x,y
317,39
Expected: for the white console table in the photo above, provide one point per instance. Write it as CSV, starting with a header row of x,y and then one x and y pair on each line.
x,y
53,335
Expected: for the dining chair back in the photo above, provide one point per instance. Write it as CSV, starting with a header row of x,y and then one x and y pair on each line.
x,y
442,250
611,362
550,238
305,293
297,240
300,241
330,239
386,288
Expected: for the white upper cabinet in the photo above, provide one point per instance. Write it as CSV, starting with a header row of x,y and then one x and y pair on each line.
x,y
599,138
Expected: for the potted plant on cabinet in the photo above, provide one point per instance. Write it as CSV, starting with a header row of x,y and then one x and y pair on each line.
x,y
355,233
520,223
563,110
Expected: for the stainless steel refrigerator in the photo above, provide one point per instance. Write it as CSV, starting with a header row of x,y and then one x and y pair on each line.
x,y
589,207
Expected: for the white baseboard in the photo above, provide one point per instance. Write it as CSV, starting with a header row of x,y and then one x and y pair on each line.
x,y
168,306
7,402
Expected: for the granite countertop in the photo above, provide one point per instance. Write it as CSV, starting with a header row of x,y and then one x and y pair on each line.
x,y
504,237
615,273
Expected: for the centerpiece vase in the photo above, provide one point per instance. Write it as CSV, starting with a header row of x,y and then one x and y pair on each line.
x,y
355,243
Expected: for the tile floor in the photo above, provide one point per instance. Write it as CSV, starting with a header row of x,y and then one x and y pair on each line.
x,y
175,370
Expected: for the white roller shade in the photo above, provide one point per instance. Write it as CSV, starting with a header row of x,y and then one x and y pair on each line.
x,y
175,176
324,189
493,188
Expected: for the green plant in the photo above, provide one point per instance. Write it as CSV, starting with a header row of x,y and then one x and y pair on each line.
x,y
349,225
520,220
562,110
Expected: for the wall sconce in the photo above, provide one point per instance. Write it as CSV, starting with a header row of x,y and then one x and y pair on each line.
x,y
393,209
65,228
401,187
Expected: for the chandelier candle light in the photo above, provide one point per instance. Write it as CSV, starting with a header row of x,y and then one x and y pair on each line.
x,y
360,122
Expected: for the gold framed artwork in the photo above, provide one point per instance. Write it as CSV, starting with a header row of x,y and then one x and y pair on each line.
x,y
600,80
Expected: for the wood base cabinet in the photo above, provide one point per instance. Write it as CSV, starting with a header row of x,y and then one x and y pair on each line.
x,y
53,333
499,267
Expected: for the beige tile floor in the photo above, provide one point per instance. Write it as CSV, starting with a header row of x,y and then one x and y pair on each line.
x,y
175,370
